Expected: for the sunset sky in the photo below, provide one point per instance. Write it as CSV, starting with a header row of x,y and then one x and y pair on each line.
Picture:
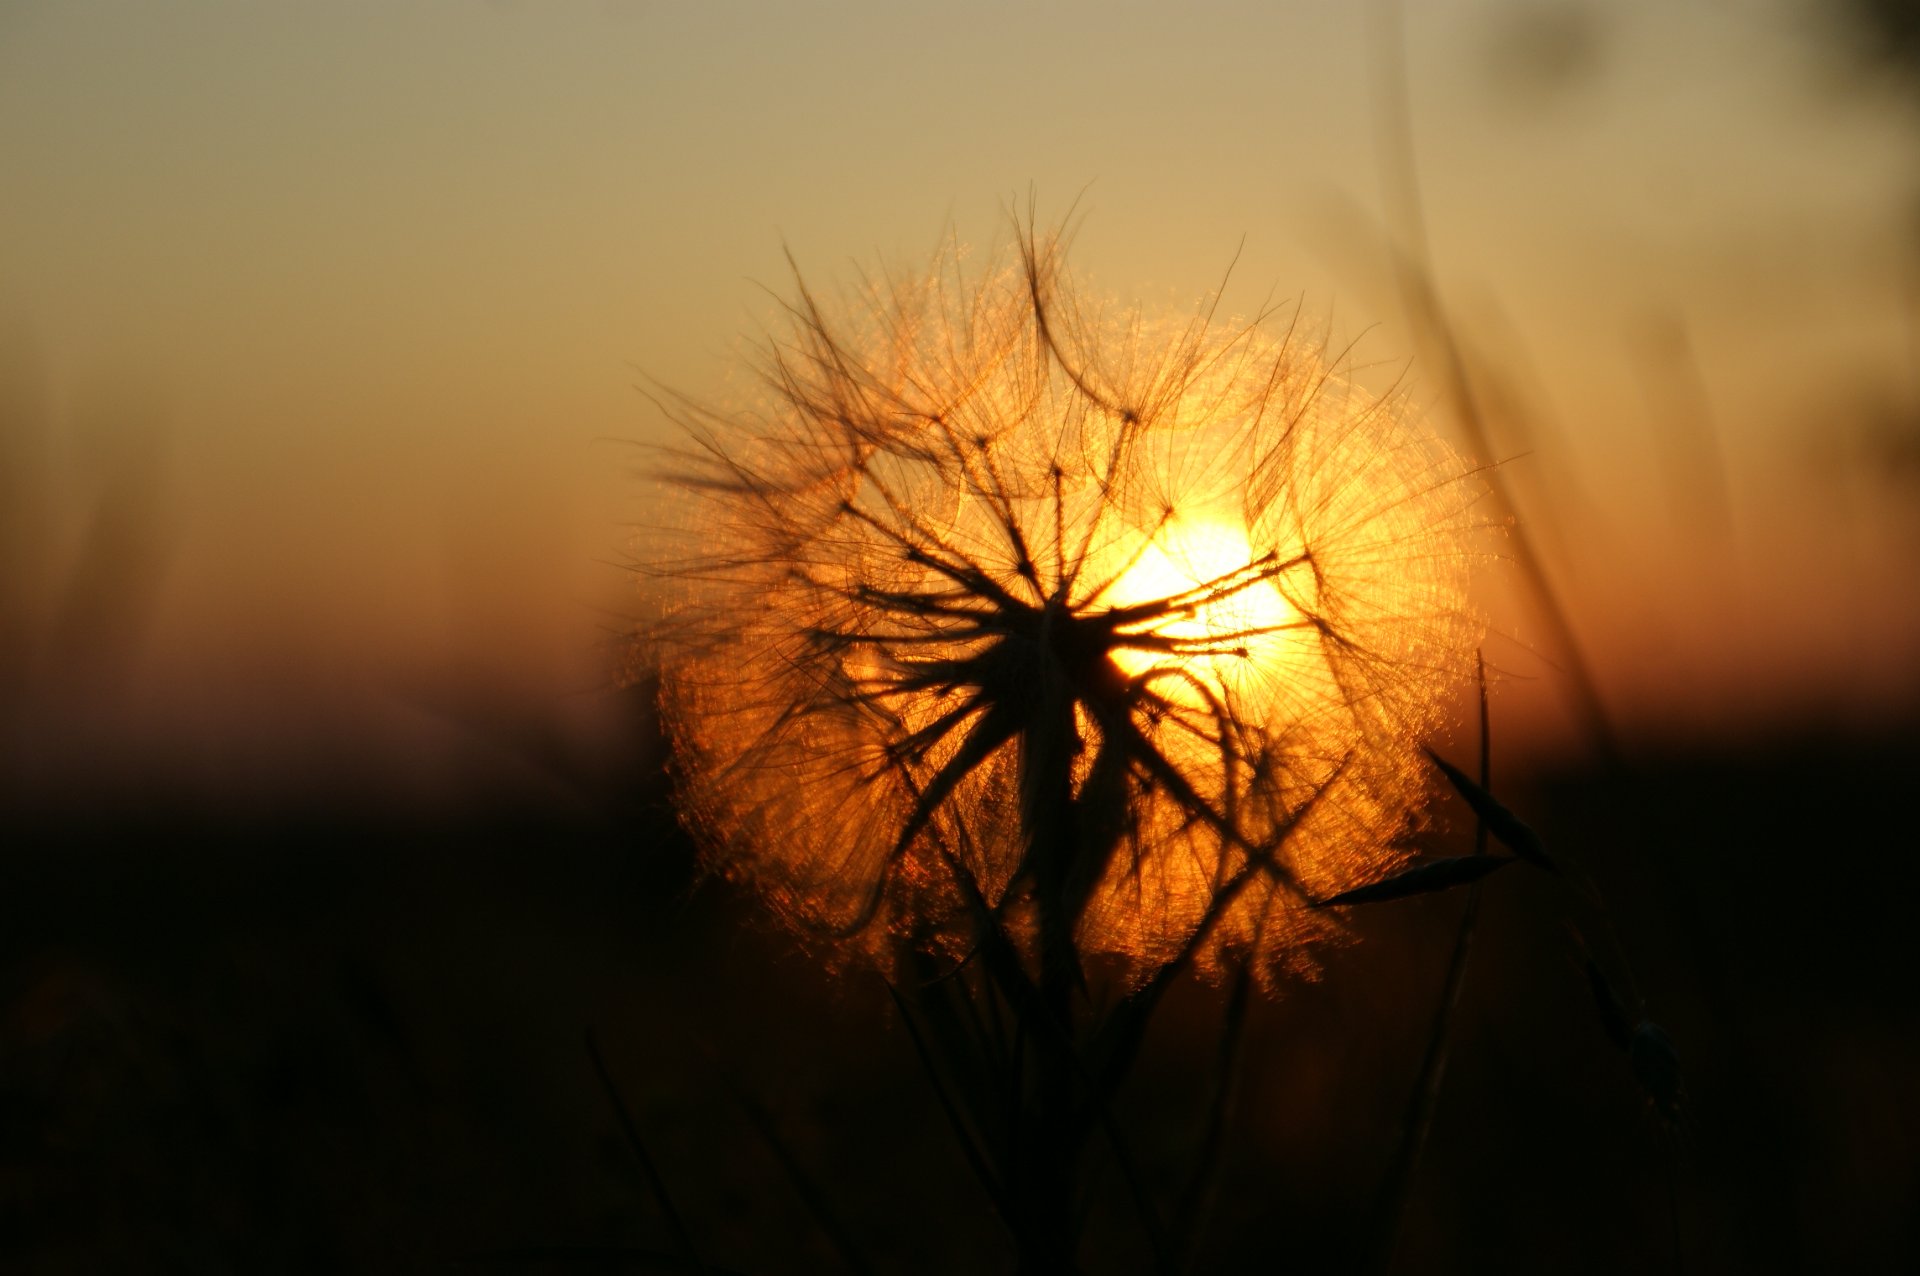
x,y
320,324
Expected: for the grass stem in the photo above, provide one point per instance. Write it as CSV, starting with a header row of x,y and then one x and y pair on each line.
x,y
1396,1190
682,1239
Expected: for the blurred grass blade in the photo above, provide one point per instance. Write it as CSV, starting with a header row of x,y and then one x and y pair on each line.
x,y
1656,1066
1614,1016
1421,879
682,1239
804,1185
1195,1209
968,1144
597,1258
1396,1188
1512,832
1411,250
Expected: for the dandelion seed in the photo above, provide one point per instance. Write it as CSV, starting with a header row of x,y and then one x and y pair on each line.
x,y
1123,628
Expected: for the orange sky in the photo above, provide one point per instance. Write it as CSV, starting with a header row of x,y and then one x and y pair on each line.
x,y
319,323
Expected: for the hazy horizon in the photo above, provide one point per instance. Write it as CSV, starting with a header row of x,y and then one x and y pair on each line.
x,y
320,326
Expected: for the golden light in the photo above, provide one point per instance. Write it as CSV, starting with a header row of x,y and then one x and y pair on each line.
x,y
1235,630
1120,632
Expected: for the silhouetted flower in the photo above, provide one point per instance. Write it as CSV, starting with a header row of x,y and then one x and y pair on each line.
x,y
1106,627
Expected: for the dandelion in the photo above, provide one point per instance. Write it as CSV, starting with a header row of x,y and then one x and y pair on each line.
x,y
1003,609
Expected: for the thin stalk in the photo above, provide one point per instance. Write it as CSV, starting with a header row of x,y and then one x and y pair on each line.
x,y
1130,1177
1396,1190
605,1258
1414,269
976,1160
1049,829
819,1208
1673,1207
682,1240
1196,1203
1066,1104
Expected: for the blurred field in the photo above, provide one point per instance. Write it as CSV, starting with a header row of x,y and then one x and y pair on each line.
x,y
338,1036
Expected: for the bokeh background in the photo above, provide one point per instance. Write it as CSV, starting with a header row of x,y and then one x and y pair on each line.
x,y
328,823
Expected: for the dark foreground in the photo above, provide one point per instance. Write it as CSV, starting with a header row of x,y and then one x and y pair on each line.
x,y
339,1036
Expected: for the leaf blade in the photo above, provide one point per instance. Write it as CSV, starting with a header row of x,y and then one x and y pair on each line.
x,y
1513,832
1422,879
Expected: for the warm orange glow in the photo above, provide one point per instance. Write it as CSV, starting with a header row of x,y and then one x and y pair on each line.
x,y
1237,624
1126,629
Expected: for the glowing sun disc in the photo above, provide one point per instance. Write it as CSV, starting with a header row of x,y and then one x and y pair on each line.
x,y
1234,624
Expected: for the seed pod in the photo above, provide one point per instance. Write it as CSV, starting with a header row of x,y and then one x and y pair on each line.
x,y
1103,617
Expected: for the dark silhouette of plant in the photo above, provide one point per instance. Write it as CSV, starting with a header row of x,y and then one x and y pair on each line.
x,y
1113,632
1041,651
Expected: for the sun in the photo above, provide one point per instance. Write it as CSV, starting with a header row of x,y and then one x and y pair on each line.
x,y
1233,630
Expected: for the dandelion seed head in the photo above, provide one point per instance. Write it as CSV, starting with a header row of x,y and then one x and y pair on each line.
x,y
1001,601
